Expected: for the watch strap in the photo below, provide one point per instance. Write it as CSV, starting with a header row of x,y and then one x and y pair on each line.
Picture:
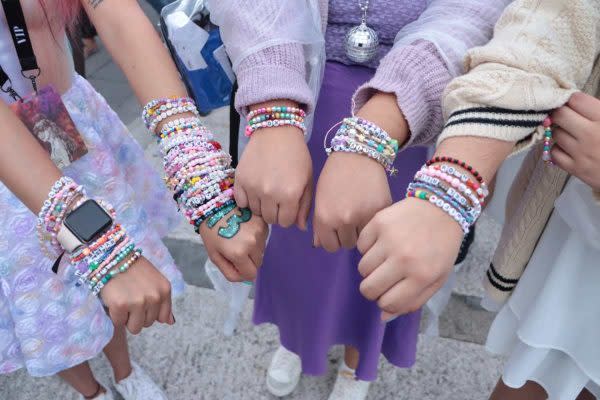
x,y
67,239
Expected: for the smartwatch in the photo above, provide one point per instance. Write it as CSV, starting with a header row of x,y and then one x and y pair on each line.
x,y
83,225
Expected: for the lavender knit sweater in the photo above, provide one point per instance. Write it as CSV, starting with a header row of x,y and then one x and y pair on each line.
x,y
415,73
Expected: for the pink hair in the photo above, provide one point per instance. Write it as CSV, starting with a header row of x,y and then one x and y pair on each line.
x,y
67,9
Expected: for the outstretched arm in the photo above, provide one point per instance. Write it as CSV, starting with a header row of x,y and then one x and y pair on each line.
x,y
135,45
512,82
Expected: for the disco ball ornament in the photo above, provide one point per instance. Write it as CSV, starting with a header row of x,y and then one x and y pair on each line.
x,y
362,44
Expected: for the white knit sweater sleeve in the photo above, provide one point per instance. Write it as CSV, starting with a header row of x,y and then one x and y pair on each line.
x,y
542,52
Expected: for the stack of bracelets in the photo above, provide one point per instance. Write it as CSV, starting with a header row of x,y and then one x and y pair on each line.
x,y
95,262
199,172
443,184
270,117
357,135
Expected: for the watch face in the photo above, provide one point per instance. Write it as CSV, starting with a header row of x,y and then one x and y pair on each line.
x,y
88,221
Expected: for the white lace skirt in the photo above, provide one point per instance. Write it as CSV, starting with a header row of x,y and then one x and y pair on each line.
x,y
550,327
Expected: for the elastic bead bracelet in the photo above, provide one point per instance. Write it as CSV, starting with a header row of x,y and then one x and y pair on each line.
x,y
198,171
455,182
455,161
436,182
357,135
442,195
120,270
250,129
548,142
447,208
276,109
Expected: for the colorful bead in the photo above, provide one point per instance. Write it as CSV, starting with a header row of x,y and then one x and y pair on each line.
x,y
357,135
548,141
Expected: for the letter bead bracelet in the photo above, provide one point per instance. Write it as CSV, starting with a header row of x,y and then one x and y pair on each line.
x,y
198,171
443,184
97,261
357,135
271,117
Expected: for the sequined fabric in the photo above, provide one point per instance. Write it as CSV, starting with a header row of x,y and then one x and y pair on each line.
x,y
47,324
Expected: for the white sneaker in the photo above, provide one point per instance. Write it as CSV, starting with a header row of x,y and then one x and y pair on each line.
x,y
139,386
102,396
284,372
347,387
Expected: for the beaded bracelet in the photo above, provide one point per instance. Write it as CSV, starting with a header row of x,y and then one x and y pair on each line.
x,y
440,193
64,197
250,129
122,269
458,180
276,109
117,256
451,190
548,142
435,177
158,110
61,198
447,208
480,189
198,171
375,133
271,117
357,135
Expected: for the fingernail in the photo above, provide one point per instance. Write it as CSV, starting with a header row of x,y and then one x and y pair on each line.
x,y
391,319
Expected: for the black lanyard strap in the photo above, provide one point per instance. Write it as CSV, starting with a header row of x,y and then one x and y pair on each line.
x,y
6,85
21,39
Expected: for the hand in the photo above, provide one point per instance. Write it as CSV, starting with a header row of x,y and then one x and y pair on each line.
x,y
351,189
274,177
577,138
240,257
408,252
139,297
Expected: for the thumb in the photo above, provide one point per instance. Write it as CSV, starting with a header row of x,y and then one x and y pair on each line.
x,y
241,198
304,209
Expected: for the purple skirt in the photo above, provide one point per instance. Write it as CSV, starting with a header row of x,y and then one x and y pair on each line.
x,y
313,296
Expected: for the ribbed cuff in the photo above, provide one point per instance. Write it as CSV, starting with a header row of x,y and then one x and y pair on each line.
x,y
276,72
521,127
417,76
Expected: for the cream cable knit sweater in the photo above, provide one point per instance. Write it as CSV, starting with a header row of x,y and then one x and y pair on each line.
x,y
542,52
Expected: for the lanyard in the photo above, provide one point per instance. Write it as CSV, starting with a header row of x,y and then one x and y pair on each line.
x,y
22,42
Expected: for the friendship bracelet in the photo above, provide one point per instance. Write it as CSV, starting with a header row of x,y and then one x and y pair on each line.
x,y
357,135
271,117
443,159
276,109
198,171
548,141
454,182
447,208
451,190
90,259
442,195
120,270
250,129
480,189
159,110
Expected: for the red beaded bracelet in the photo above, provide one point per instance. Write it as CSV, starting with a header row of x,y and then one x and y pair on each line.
x,y
456,161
